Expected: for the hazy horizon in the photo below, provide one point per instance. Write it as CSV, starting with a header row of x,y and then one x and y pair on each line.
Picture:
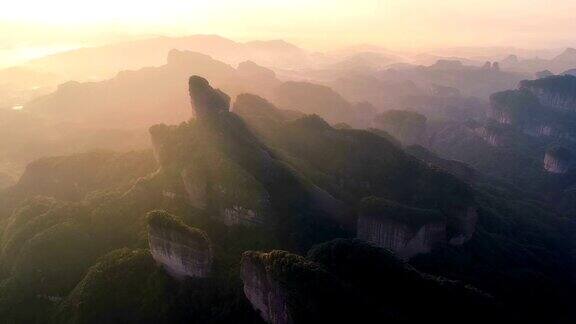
x,y
415,25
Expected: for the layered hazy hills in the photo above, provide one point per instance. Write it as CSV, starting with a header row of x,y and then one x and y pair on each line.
x,y
514,142
138,98
260,178
564,61
105,61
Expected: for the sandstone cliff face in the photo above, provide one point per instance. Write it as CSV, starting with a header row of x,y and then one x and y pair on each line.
x,y
183,251
554,91
405,241
554,99
491,136
500,117
404,230
557,160
263,290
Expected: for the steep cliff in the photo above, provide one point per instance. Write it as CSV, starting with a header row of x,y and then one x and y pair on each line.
x,y
286,288
493,135
222,167
514,107
557,92
404,230
557,160
183,251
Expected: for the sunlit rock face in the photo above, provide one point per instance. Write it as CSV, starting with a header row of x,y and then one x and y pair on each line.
x,y
404,230
182,250
557,160
263,290
555,91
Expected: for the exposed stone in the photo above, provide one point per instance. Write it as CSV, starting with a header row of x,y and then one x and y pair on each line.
x,y
263,290
238,215
206,100
406,231
557,160
182,250
557,92
491,135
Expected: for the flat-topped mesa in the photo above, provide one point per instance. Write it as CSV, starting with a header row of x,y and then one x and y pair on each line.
x,y
557,160
406,231
182,250
558,91
206,101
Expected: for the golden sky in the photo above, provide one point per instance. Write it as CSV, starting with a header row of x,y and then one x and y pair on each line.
x,y
31,28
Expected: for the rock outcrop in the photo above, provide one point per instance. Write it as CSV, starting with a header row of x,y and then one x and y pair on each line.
x,y
216,163
205,99
263,290
406,231
286,288
491,135
557,92
182,250
557,160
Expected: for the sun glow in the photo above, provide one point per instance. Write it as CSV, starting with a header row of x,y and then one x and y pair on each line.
x,y
319,24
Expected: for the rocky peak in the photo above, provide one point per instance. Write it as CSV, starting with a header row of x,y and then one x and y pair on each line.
x,y
206,101
182,250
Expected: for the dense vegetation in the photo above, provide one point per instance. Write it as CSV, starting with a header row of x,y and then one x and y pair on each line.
x,y
74,249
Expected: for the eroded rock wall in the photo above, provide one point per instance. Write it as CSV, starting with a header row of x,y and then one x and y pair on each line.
x,y
182,250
